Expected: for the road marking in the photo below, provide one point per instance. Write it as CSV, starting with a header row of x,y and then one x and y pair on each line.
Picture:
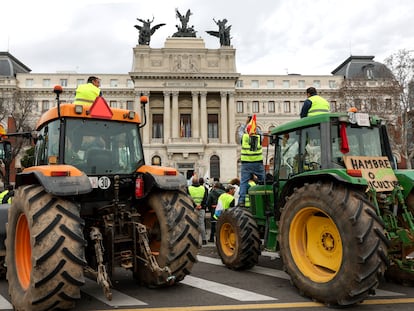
x,y
224,290
283,275
118,299
4,304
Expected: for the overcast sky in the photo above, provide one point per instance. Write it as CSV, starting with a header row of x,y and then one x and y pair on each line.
x,y
270,36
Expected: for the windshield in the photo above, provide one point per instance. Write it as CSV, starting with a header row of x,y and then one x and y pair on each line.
x,y
362,141
102,147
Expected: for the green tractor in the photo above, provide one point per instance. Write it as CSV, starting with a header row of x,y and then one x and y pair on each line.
x,y
337,209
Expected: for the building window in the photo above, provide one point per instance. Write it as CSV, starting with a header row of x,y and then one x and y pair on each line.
x,y
301,84
270,84
332,84
45,105
271,106
64,82
255,106
333,106
113,104
156,160
255,84
185,125
239,83
317,83
29,82
130,83
286,106
80,81
46,82
113,83
286,84
213,128
239,106
157,125
215,167
130,105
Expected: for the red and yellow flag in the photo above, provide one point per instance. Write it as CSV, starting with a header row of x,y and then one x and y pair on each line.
x,y
251,126
2,130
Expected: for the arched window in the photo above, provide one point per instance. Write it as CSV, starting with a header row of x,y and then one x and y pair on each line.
x,y
156,160
215,167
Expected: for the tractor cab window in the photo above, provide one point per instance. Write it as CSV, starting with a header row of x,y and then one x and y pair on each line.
x,y
100,147
47,144
289,155
348,139
310,149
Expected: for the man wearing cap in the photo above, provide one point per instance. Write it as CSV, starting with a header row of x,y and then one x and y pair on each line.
x,y
225,201
87,93
314,104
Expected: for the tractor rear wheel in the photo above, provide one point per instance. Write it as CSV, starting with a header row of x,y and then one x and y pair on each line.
x,y
172,229
44,251
237,239
332,244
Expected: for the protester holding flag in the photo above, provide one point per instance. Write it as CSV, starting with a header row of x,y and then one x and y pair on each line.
x,y
251,156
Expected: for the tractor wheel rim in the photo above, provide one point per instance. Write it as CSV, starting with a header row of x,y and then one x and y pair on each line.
x,y
228,239
23,252
315,244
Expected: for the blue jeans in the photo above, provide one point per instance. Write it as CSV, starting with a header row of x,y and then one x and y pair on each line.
x,y
247,169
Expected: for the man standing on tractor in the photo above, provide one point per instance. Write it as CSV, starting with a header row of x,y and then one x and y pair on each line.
x,y
251,156
87,93
314,104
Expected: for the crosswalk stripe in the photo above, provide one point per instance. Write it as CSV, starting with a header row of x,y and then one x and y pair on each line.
x,y
118,299
283,275
225,290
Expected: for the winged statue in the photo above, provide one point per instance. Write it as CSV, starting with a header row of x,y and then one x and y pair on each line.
x,y
146,31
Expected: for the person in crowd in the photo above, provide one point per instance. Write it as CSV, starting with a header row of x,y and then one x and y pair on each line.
x,y
314,104
251,183
199,195
212,200
6,195
225,201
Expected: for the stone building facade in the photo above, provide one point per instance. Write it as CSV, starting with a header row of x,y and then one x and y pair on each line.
x,y
197,101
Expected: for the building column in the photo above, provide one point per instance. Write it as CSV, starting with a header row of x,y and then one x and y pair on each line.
x,y
167,116
223,119
175,118
232,113
195,124
203,117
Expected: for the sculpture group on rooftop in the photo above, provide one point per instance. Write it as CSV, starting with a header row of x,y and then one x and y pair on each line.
x,y
184,30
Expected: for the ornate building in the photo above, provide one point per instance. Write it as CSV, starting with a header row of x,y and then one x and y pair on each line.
x,y
197,100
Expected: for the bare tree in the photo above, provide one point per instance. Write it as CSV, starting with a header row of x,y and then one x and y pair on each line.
x,y
19,106
401,63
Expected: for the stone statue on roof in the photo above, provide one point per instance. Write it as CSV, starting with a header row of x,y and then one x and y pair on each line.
x,y
146,31
184,30
223,33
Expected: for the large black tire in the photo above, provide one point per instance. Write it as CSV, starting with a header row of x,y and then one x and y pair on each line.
x,y
237,239
332,244
172,226
44,251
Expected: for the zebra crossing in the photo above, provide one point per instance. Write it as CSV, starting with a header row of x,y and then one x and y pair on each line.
x,y
119,299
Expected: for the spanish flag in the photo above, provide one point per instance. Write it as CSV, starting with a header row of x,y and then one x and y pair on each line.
x,y
251,126
2,130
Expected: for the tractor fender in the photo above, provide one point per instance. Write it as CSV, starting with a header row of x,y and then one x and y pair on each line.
x,y
162,177
406,180
4,209
60,180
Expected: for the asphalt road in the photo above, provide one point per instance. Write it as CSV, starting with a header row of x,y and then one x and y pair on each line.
x,y
211,286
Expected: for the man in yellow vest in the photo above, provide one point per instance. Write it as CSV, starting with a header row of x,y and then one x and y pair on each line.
x,y
251,157
225,201
87,93
251,183
199,195
314,104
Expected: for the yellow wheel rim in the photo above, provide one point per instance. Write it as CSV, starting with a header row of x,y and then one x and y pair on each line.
x,y
23,252
228,240
315,244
